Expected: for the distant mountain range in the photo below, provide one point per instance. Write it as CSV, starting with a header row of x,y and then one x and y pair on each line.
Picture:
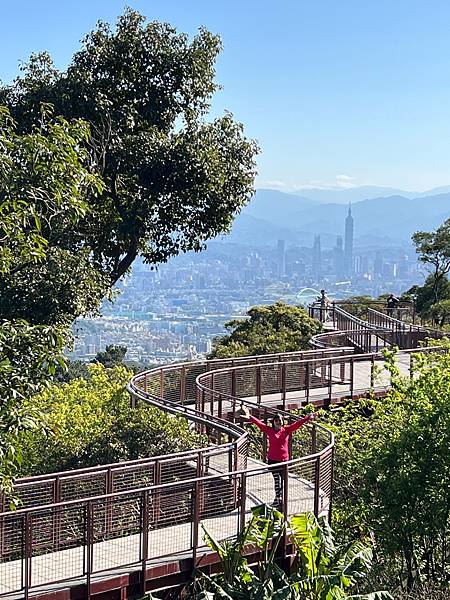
x,y
378,221
364,192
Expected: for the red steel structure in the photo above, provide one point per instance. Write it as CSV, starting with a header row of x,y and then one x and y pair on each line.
x,y
134,526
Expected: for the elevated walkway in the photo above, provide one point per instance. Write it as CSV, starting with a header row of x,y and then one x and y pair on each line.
x,y
137,526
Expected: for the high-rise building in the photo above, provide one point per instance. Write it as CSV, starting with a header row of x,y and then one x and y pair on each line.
x,y
378,264
281,258
348,247
316,258
338,257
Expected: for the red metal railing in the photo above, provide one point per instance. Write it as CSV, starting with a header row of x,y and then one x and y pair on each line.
x,y
84,524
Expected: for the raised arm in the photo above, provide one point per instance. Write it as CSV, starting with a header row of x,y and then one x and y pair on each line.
x,y
260,424
294,426
265,428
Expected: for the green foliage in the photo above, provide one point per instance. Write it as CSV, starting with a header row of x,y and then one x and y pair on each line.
x,y
112,356
424,296
90,422
28,357
172,180
268,329
434,250
392,477
322,570
440,312
45,177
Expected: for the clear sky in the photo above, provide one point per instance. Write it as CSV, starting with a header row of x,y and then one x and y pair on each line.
x,y
337,92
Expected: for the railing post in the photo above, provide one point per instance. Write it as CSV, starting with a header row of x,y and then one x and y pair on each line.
x,y
211,402
235,468
342,370
220,407
109,501
196,520
28,550
330,500
283,385
89,546
145,527
243,500
157,494
372,371
307,383
314,439
316,485
330,382
352,376
233,382
183,384
56,514
258,384
285,482
161,383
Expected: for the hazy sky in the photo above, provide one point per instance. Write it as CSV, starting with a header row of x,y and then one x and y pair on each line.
x,y
337,92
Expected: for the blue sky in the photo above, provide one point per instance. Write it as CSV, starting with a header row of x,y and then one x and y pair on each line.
x,y
337,92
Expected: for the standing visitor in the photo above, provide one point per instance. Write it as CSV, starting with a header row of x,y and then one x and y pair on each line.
x,y
391,304
324,304
278,452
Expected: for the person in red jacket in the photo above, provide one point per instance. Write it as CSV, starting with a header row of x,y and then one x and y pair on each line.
x,y
278,437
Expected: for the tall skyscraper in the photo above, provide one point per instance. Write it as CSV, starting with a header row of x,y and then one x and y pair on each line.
x,y
281,258
348,247
317,258
378,264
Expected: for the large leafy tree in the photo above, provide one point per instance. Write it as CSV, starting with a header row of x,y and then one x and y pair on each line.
x,y
424,296
172,179
44,178
433,248
267,329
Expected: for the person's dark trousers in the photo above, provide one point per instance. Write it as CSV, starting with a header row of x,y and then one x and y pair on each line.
x,y
277,475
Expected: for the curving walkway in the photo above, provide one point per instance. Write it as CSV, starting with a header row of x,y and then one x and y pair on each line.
x,y
85,528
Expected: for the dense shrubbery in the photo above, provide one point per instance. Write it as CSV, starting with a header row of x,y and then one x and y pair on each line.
x,y
392,476
90,422
321,570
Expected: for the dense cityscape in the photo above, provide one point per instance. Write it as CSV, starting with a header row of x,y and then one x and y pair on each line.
x,y
176,311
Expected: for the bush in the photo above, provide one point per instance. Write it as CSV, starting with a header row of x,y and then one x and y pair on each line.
x,y
90,422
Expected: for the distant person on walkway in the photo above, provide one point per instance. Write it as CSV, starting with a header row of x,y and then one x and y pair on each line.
x,y
324,304
278,452
391,304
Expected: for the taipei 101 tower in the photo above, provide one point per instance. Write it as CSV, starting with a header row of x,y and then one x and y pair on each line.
x,y
348,245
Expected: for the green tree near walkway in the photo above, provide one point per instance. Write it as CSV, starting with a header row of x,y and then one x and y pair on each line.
x,y
267,329
44,176
424,297
171,178
440,312
433,248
